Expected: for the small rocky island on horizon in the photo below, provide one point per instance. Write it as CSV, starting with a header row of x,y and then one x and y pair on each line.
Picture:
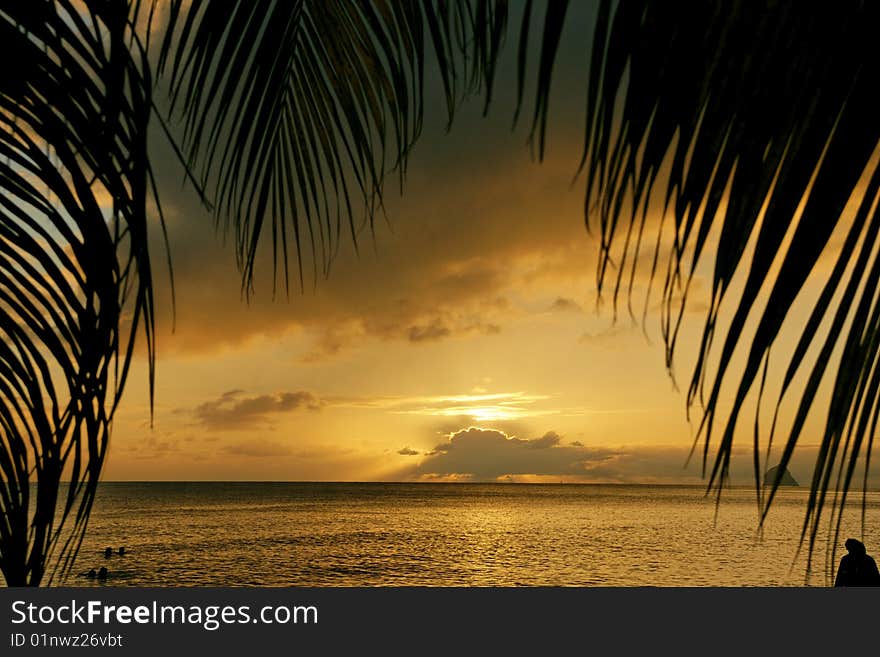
x,y
786,480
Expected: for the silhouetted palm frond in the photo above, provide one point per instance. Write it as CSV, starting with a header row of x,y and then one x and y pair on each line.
x,y
758,106
74,106
293,113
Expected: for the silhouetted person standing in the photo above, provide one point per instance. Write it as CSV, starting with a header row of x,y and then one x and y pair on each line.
x,y
857,568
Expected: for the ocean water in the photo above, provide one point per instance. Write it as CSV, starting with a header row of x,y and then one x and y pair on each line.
x,y
339,534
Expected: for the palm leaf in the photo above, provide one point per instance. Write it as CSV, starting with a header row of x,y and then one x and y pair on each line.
x,y
294,113
769,105
74,111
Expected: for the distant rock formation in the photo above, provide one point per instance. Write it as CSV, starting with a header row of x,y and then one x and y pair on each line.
x,y
787,479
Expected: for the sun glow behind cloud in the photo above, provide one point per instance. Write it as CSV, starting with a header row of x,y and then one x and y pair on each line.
x,y
482,407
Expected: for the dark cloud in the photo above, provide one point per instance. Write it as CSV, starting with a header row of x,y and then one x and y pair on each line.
x,y
614,337
487,454
562,304
155,444
233,411
257,449
549,439
491,455
474,454
412,322
437,329
406,451
433,331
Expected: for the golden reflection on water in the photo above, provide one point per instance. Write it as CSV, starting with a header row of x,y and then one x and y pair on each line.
x,y
449,535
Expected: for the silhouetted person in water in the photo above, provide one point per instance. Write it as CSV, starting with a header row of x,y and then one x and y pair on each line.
x,y
857,568
102,574
121,551
108,552
92,574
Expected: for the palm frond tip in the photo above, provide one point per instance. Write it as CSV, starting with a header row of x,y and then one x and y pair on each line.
x,y
766,107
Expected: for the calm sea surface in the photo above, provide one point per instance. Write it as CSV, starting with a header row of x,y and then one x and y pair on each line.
x,y
316,534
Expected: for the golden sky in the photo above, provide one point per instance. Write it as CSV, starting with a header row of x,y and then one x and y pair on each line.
x,y
463,342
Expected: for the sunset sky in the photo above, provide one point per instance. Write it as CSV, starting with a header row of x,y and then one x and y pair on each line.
x,y
463,342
